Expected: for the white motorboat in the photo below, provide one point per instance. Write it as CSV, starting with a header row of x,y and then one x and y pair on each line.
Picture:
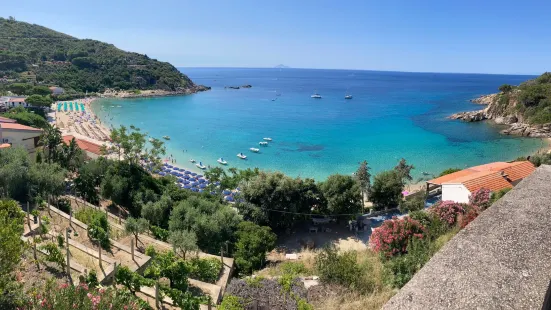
x,y
267,139
263,143
201,166
316,96
166,137
222,161
192,160
348,97
242,156
253,149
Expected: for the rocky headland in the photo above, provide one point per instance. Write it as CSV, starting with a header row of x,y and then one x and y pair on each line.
x,y
111,93
503,110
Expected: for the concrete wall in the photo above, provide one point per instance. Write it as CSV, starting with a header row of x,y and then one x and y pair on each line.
x,y
455,192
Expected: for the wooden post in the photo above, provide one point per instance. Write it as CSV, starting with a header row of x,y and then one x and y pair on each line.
x,y
35,256
120,215
67,253
209,304
132,248
49,205
40,226
158,303
28,217
115,268
99,256
71,216
222,255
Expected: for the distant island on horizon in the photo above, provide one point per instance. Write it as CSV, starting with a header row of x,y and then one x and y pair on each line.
x,y
280,66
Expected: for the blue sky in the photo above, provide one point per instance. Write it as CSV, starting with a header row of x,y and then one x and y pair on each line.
x,y
483,36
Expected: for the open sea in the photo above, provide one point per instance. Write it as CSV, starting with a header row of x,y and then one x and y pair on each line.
x,y
392,115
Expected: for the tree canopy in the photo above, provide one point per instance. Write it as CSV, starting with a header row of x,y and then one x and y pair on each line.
x,y
342,194
253,242
386,191
83,65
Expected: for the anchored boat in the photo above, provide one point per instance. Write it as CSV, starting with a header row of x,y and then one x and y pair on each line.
x,y
201,166
253,149
222,161
242,156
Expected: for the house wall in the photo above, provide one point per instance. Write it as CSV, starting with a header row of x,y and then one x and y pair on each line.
x,y
25,139
455,192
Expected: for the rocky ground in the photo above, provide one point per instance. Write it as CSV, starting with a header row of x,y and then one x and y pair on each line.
x,y
485,99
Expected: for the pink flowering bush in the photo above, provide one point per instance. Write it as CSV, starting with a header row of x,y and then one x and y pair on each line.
x,y
448,211
393,236
480,199
80,297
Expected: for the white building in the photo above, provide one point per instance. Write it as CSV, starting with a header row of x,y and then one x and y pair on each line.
x,y
20,135
459,186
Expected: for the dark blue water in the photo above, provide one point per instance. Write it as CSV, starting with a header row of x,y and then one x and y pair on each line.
x,y
392,115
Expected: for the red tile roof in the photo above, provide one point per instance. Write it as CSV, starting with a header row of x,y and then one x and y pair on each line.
x,y
6,120
16,100
492,176
16,126
84,145
519,170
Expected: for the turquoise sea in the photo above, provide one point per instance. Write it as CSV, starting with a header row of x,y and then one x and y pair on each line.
x,y
392,115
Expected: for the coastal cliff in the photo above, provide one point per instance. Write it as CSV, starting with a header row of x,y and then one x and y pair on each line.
x,y
526,108
34,54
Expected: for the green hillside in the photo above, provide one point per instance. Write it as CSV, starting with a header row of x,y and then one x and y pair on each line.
x,y
38,54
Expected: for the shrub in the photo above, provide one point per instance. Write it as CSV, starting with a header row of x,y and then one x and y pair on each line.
x,y
403,267
343,268
449,171
205,269
159,233
497,195
480,199
150,251
99,229
231,302
131,280
393,236
471,212
60,240
64,204
448,211
92,279
414,202
82,297
54,254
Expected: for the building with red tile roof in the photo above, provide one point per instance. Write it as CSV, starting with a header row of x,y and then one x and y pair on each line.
x,y
6,120
20,135
91,149
459,186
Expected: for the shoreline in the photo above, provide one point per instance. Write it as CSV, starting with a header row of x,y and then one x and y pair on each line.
x,y
152,93
105,123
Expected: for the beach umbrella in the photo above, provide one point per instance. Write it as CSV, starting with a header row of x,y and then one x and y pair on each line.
x,y
202,186
181,179
193,174
194,183
187,186
199,176
202,180
187,172
228,198
173,173
194,190
226,192
162,173
186,176
169,166
186,182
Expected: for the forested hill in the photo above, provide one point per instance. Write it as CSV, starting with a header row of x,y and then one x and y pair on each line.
x,y
29,51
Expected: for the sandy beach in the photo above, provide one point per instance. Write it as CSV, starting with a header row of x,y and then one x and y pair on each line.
x,y
79,122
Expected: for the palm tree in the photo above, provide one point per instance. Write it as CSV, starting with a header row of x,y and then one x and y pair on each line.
x,y
51,139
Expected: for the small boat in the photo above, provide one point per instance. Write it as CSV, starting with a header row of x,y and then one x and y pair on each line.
x,y
192,160
201,166
150,139
242,156
263,143
267,139
348,97
425,173
222,161
166,137
316,96
253,149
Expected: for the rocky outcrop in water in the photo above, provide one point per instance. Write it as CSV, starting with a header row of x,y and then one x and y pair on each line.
x,y
525,130
503,112
473,116
485,99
